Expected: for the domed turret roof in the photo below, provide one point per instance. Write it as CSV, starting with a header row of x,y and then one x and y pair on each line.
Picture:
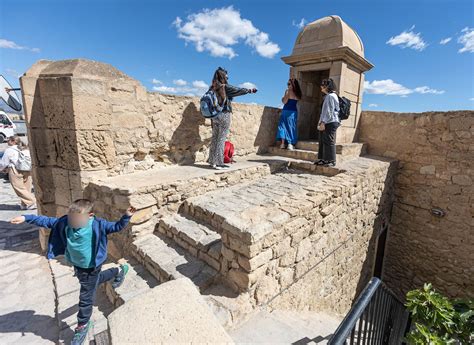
x,y
327,33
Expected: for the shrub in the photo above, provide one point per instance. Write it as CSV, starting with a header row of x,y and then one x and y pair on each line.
x,y
437,320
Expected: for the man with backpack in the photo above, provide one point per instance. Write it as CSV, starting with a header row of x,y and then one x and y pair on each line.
x,y
16,159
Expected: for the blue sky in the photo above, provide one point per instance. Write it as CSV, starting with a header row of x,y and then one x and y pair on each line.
x,y
413,71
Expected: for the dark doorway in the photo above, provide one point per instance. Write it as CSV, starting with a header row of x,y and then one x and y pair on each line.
x,y
380,253
310,104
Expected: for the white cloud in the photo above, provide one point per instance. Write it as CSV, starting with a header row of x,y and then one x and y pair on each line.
x,y
12,45
408,39
217,30
248,85
197,88
179,82
391,88
471,99
467,40
156,81
373,105
445,40
300,24
385,87
200,84
426,89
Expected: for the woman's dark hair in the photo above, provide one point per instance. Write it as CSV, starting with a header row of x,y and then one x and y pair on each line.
x,y
329,84
296,87
219,78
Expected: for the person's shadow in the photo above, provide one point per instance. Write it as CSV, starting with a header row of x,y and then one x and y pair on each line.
x,y
186,140
26,321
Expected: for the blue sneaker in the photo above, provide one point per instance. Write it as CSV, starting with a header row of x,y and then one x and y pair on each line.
x,y
120,277
80,333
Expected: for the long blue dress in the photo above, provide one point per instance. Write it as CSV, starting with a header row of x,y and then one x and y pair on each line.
x,y
287,126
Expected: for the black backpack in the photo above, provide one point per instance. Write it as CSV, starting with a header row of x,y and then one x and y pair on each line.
x,y
344,108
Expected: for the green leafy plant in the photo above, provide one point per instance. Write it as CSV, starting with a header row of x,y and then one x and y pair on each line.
x,y
436,320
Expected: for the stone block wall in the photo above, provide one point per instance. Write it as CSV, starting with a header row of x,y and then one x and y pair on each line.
x,y
154,200
326,238
436,154
323,256
87,120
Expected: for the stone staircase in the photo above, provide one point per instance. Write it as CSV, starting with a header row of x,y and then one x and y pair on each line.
x,y
138,281
308,151
166,260
192,239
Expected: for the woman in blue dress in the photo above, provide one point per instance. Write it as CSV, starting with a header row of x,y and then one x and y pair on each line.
x,y
287,133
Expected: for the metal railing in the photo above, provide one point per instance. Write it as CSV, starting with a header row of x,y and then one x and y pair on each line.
x,y
377,317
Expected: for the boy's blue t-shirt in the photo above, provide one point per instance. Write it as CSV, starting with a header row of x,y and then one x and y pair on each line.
x,y
80,248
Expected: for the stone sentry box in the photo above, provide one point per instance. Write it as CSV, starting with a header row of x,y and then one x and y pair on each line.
x,y
328,47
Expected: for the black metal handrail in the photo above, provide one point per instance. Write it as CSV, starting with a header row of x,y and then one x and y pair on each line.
x,y
377,317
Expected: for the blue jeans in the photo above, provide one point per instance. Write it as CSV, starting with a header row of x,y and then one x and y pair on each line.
x,y
90,279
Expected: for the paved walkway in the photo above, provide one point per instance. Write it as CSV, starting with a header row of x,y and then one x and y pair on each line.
x,y
27,301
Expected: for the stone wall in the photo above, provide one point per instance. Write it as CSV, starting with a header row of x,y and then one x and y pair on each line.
x,y
321,235
87,121
156,199
323,256
436,154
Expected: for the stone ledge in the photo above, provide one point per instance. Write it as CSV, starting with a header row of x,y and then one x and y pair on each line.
x,y
163,315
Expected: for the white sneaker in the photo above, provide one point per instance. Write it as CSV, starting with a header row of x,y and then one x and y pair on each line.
x,y
282,146
290,147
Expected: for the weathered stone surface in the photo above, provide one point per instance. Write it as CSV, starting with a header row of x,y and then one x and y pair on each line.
x,y
163,315
143,215
267,287
436,171
166,261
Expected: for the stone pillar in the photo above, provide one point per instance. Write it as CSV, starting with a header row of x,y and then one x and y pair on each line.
x,y
68,112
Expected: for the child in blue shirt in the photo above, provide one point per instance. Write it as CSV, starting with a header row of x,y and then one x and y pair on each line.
x,y
82,238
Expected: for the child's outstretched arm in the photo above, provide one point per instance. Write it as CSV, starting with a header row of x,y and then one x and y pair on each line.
x,y
111,227
42,221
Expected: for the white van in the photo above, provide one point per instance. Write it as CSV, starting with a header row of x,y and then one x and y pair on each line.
x,y
7,127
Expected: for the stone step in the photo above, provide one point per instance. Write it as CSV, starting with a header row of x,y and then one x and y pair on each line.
x,y
286,327
137,281
220,209
310,153
346,149
166,261
351,149
295,154
67,298
308,145
196,238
